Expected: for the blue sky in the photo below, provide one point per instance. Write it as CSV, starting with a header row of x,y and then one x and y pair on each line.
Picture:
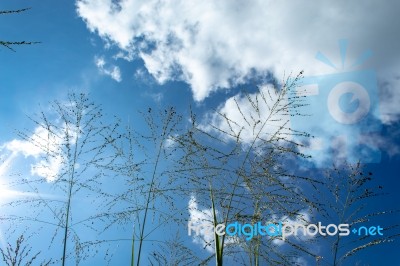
x,y
130,55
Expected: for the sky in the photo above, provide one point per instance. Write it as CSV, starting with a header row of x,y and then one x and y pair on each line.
x,y
130,55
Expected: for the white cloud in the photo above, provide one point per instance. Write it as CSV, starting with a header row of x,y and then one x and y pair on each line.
x,y
217,44
302,218
252,116
156,97
203,217
300,261
170,142
48,169
40,143
331,142
28,148
390,97
41,138
212,45
199,216
113,71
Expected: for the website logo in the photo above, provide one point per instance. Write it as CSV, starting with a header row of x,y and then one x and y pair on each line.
x,y
280,230
341,111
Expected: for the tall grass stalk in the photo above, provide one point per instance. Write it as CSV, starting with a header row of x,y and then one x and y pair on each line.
x,y
74,136
241,161
145,170
347,194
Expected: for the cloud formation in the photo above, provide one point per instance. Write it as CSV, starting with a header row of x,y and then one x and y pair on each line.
x,y
46,168
204,218
113,71
250,118
214,45
217,44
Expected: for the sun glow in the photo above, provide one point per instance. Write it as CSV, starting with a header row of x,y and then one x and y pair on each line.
x,y
6,193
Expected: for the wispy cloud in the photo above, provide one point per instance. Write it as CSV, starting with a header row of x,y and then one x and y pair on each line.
x,y
37,146
108,69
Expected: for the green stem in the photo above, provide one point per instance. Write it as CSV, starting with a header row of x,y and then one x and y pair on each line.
x,y
133,248
218,248
150,191
236,184
71,184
